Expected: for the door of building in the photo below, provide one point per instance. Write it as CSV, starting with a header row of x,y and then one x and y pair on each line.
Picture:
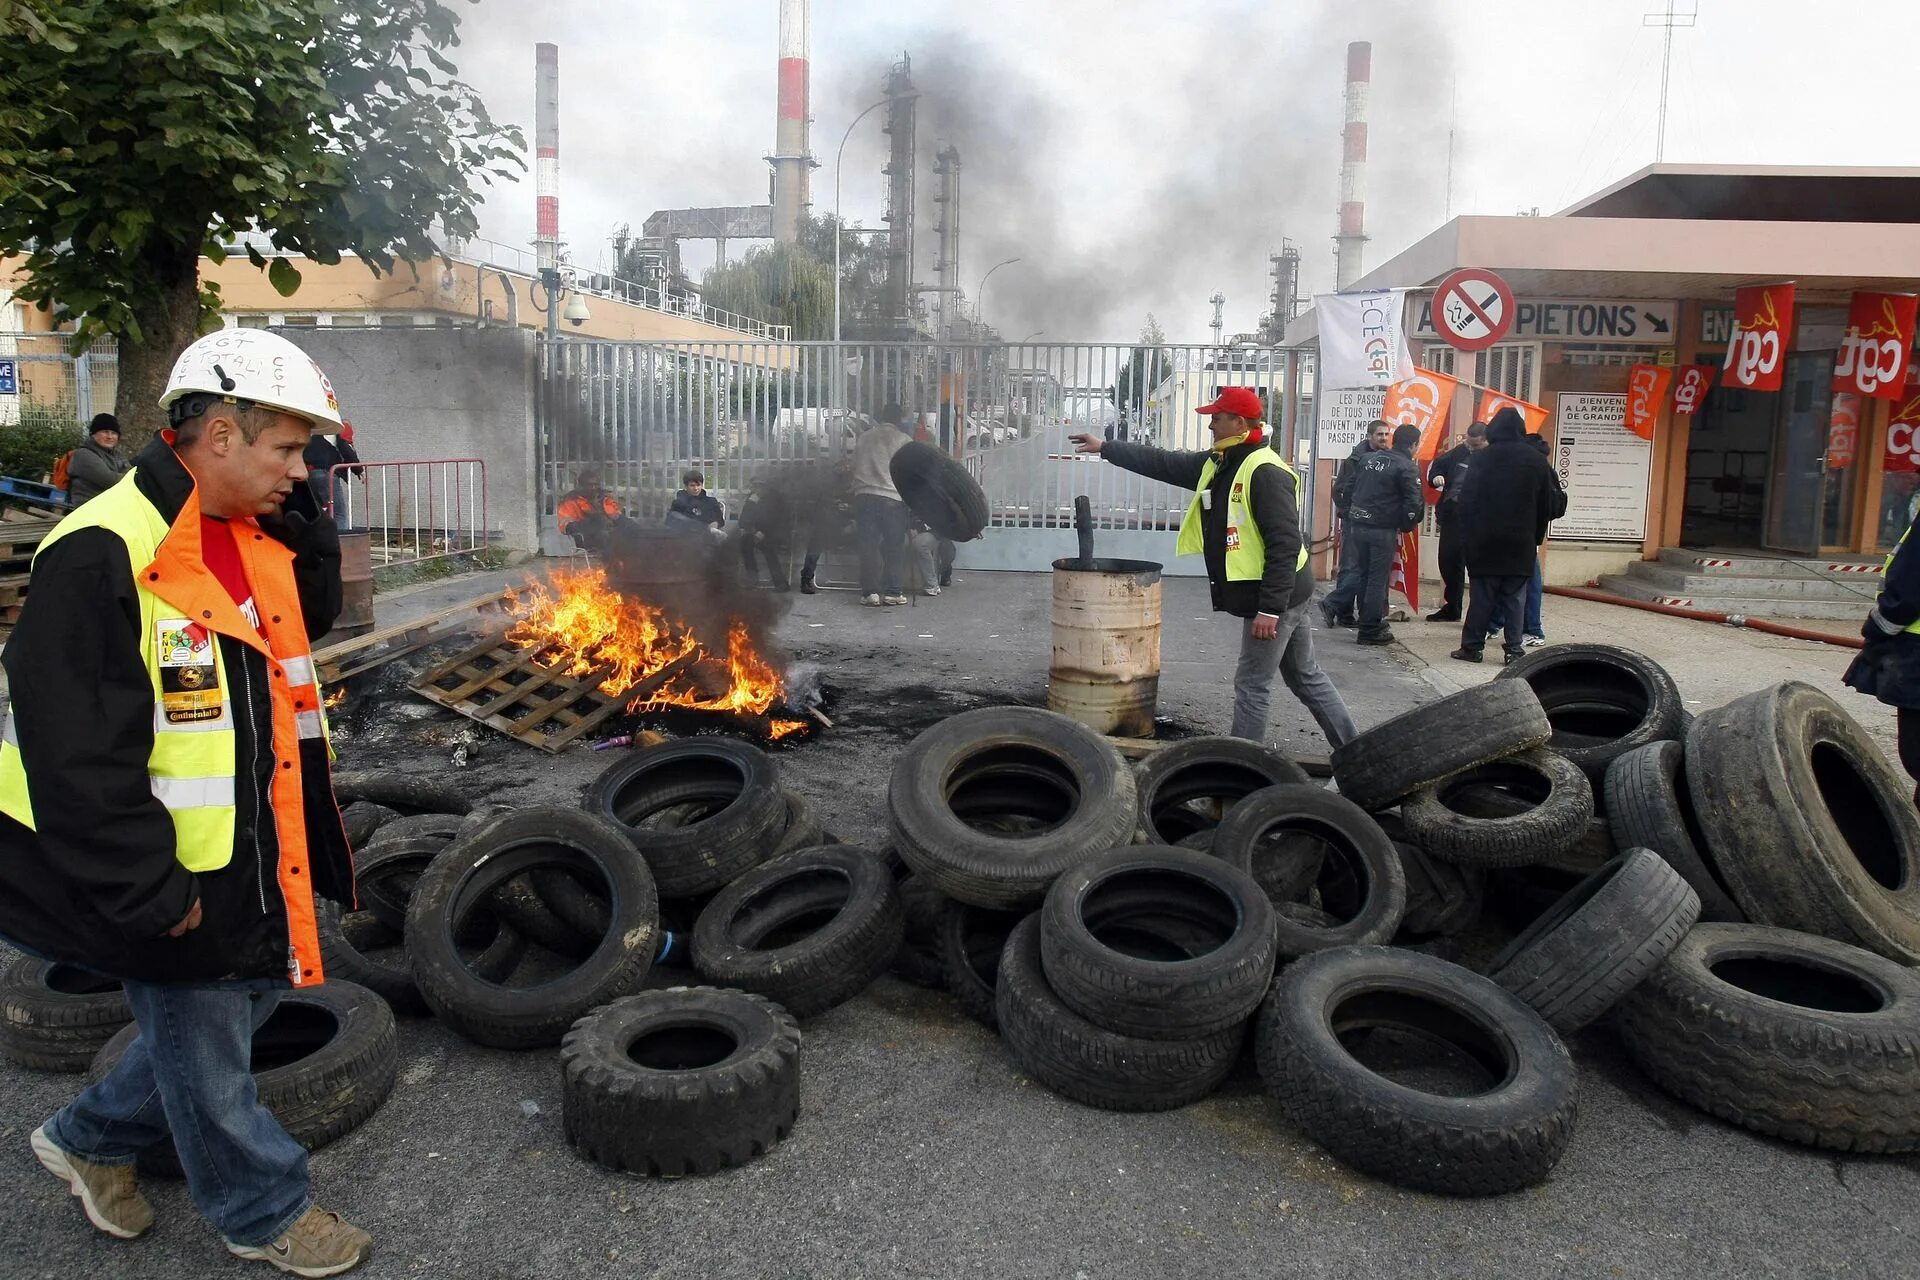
x,y
1809,504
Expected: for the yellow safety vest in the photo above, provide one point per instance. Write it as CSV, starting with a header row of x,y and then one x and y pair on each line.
x,y
193,763
1246,549
1887,567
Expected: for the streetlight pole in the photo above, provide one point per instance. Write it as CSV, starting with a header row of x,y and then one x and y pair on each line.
x,y
839,359
980,294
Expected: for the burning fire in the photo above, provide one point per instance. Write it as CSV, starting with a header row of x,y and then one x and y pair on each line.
x,y
335,698
631,645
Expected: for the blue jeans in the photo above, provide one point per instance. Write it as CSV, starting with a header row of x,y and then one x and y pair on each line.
x,y
1536,592
188,1075
882,525
1350,576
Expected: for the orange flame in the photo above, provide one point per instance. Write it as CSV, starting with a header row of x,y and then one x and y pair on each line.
x,y
594,628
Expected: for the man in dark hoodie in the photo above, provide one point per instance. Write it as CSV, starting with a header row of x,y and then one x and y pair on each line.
x,y
1351,574
1385,502
1504,512
1245,520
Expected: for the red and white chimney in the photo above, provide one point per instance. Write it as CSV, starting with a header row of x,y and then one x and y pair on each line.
x,y
792,157
546,154
1353,168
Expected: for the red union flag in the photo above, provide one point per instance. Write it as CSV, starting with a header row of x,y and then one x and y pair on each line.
x,y
1646,390
1690,389
1903,428
1404,575
1873,353
1492,402
1762,327
1843,430
1424,400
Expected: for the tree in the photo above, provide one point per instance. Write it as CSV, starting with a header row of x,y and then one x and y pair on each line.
x,y
138,135
780,284
1146,368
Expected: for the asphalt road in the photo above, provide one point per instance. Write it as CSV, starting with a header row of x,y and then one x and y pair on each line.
x,y
922,1151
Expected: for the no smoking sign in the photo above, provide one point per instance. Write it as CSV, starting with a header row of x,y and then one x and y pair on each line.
x,y
1473,309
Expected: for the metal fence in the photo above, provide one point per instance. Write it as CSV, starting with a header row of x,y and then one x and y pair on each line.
x,y
415,510
644,412
56,387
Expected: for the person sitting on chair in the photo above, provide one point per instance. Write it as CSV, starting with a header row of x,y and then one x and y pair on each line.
x,y
588,513
694,508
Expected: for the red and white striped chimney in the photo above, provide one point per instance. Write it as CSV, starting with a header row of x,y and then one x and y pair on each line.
x,y
792,159
546,153
1353,168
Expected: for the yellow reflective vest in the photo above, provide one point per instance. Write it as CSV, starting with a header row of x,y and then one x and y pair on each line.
x,y
1912,628
1246,549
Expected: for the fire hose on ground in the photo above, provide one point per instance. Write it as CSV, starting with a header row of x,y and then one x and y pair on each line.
x,y
1708,615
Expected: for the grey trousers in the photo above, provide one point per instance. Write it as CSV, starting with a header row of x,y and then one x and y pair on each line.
x,y
1291,650
1362,585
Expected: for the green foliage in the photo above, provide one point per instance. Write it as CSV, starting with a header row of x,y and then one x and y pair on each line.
x,y
1146,368
30,447
863,269
137,134
780,284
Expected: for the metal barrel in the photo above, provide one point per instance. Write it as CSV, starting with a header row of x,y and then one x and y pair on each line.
x,y
1106,644
356,583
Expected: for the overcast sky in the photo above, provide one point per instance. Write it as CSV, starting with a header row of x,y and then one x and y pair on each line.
x,y
1140,156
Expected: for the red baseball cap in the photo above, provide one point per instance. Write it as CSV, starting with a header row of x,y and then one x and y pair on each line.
x,y
1244,401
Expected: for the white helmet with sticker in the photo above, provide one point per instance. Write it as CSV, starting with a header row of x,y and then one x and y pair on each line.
x,y
257,366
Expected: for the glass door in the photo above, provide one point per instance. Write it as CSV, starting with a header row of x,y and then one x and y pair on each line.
x,y
1800,485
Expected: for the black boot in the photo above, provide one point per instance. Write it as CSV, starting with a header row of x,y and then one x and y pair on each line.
x,y
806,582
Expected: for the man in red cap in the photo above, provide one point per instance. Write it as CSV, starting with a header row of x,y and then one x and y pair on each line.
x,y
1245,520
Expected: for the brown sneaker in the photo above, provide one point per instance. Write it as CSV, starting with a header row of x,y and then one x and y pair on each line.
x,y
318,1244
108,1192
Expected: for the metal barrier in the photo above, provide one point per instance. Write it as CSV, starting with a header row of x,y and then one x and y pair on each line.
x,y
643,412
423,509
55,387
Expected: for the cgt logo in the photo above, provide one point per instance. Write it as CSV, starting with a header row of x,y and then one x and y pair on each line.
x,y
1873,353
1869,363
1901,437
1756,356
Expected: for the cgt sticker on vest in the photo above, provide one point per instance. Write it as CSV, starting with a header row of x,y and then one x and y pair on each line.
x,y
1233,537
189,672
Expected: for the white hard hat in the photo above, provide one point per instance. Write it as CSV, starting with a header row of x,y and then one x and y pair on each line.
x,y
256,366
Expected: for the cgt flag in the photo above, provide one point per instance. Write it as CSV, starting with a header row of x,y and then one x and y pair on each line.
x,y
1404,575
1646,392
1762,327
1903,428
1424,400
1690,389
1363,339
1492,402
1873,353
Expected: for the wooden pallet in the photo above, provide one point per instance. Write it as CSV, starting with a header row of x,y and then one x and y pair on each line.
x,y
348,658
524,694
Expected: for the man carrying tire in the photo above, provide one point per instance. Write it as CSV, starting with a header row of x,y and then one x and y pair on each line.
x,y
1888,667
1245,520
879,511
166,814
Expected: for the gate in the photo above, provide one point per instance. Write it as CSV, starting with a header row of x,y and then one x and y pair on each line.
x,y
54,387
644,412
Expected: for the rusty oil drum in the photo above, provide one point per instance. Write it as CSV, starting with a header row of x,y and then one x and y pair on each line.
x,y
356,583
1105,671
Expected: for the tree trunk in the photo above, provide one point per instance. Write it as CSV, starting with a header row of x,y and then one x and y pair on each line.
x,y
168,322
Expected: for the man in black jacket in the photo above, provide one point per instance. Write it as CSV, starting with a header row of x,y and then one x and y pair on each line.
x,y
1245,521
1888,667
1504,512
1447,474
1350,576
166,811
97,465
1385,502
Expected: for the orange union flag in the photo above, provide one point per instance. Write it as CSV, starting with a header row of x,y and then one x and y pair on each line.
x,y
1873,353
1492,402
1646,391
1424,400
1762,326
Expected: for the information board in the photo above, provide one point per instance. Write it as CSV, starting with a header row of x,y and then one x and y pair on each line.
x,y
1605,469
1343,417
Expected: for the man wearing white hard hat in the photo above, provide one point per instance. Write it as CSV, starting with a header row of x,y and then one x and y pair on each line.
x,y
166,812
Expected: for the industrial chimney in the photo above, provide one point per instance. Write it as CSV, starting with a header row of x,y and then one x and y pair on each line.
x,y
1353,168
546,152
792,157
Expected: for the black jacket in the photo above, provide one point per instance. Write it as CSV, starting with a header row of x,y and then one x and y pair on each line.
x,y
704,509
1450,468
97,884
1270,500
1349,472
1386,491
93,470
1889,668
1506,502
